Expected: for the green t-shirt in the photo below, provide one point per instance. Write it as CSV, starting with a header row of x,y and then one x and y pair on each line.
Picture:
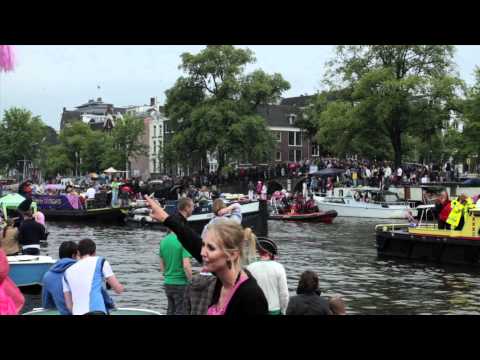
x,y
173,253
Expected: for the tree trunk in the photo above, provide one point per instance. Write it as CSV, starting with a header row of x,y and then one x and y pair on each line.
x,y
397,146
221,162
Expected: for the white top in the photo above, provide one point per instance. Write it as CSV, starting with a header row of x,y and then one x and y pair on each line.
x,y
80,278
91,193
272,279
399,172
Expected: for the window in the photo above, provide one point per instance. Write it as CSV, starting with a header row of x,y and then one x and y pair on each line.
x,y
291,155
295,138
315,150
154,147
298,155
298,138
154,165
294,155
278,156
291,138
292,118
154,131
277,136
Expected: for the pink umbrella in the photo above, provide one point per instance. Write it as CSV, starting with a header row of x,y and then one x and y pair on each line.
x,y
7,58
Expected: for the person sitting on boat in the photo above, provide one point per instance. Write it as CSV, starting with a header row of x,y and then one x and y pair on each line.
x,y
298,205
460,207
9,240
222,211
30,233
52,288
310,205
90,195
308,300
83,281
270,276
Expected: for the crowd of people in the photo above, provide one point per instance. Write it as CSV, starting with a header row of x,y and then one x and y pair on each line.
x,y
239,275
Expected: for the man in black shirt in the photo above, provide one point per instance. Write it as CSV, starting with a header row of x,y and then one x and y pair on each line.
x,y
30,233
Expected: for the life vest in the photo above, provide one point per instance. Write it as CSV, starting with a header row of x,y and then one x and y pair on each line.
x,y
445,212
457,210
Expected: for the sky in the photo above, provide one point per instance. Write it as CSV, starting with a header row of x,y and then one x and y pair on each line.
x,y
48,78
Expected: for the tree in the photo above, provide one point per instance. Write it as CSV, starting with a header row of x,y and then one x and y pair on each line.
x,y
21,137
55,161
213,108
396,90
125,141
75,139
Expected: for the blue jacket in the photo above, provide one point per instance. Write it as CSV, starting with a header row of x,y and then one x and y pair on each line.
x,y
52,289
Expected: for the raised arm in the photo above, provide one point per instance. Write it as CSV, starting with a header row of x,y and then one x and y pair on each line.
x,y
189,239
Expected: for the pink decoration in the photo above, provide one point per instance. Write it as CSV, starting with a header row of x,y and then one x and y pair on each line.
x,y
7,58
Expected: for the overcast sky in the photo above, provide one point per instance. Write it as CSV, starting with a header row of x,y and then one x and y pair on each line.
x,y
48,78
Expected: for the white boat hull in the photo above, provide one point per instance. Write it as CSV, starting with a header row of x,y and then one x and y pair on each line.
x,y
366,210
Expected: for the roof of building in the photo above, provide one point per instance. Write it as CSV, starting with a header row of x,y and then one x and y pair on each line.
x,y
277,115
69,117
300,101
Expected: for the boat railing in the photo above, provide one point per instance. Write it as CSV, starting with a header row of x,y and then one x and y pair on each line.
x,y
395,227
391,227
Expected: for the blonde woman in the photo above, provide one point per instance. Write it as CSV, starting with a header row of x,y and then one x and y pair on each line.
x,y
221,251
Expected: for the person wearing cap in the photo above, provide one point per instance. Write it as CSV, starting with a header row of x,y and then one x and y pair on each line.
x,y
270,276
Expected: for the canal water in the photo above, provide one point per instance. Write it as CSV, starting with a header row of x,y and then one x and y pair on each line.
x,y
342,253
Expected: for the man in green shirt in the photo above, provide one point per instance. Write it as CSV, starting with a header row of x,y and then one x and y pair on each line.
x,y
177,271
115,186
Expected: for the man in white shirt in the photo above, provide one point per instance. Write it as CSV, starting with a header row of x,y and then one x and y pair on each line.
x,y
83,281
91,193
270,276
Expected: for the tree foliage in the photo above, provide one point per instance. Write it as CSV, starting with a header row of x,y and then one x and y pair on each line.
x,y
213,107
395,91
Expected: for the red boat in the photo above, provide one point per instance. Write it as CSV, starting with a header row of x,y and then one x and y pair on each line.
x,y
319,216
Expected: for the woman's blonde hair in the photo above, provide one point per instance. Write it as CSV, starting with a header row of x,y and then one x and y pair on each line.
x,y
232,237
250,242
217,205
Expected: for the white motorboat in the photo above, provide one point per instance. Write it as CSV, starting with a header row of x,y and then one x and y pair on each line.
x,y
367,202
28,270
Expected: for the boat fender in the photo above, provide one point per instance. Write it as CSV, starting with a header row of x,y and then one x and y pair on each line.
x,y
143,221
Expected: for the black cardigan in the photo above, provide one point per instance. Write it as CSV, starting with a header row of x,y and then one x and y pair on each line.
x,y
249,298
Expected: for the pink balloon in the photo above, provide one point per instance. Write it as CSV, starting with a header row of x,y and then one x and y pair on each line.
x,y
7,58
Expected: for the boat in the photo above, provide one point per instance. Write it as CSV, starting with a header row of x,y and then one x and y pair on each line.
x,y
426,242
367,202
117,311
254,213
28,270
70,208
319,216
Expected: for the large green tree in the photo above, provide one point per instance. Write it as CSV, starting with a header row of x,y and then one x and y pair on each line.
x,y
396,91
21,137
213,107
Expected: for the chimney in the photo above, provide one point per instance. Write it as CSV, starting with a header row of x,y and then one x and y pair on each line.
x,y
64,109
99,99
153,101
